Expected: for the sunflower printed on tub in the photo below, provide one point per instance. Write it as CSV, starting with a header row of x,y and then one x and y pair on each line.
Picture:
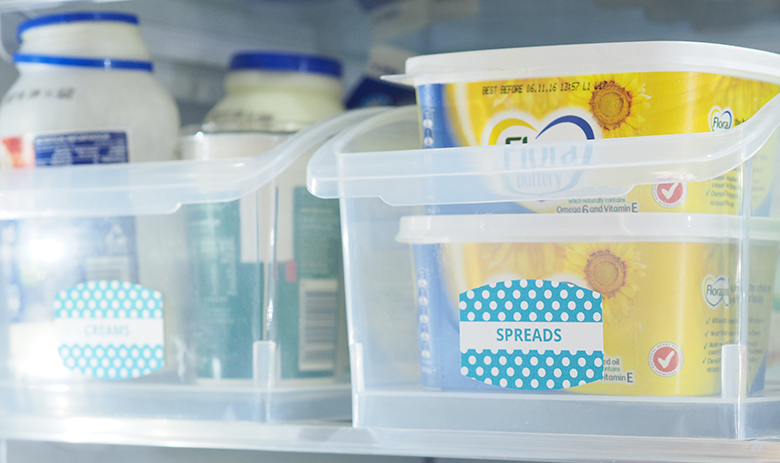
x,y
562,93
611,269
617,102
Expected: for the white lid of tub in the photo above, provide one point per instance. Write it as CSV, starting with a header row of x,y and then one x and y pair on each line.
x,y
596,58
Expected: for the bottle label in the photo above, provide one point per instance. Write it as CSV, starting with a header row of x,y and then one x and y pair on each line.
x,y
226,292
309,289
62,149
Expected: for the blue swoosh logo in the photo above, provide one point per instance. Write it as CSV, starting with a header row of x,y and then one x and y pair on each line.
x,y
576,120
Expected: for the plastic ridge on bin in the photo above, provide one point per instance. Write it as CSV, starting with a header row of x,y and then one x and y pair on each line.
x,y
604,167
552,228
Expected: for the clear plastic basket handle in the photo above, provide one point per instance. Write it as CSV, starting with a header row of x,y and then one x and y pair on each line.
x,y
377,158
154,187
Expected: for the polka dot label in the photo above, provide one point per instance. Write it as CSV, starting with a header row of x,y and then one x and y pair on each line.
x,y
99,337
527,325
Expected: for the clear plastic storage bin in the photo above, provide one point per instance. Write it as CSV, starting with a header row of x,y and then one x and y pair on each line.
x,y
152,290
467,315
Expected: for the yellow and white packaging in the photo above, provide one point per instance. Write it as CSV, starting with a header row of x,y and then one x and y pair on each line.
x,y
667,283
586,92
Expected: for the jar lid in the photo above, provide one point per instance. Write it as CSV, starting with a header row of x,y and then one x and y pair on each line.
x,y
278,61
77,16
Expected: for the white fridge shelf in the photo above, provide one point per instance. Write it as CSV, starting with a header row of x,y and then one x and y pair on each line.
x,y
341,438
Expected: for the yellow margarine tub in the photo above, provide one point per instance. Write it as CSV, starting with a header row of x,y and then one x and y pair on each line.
x,y
593,91
645,300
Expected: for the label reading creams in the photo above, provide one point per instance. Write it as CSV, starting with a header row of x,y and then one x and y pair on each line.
x,y
110,329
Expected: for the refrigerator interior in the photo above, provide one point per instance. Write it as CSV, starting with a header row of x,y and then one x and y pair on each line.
x,y
191,42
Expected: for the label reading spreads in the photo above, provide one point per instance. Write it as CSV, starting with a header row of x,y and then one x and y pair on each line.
x,y
531,335
110,329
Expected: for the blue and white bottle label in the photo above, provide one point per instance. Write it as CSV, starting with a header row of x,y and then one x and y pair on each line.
x,y
110,329
532,335
80,148
64,148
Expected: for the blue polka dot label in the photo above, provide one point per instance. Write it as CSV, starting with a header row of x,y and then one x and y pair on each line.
x,y
532,335
110,329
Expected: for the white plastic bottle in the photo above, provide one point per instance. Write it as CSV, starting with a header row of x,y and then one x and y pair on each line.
x,y
271,94
85,95
86,72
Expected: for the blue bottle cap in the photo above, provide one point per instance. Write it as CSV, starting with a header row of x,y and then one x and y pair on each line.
x,y
280,61
76,16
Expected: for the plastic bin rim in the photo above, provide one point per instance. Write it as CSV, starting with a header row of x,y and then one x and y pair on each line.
x,y
572,228
590,59
151,188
